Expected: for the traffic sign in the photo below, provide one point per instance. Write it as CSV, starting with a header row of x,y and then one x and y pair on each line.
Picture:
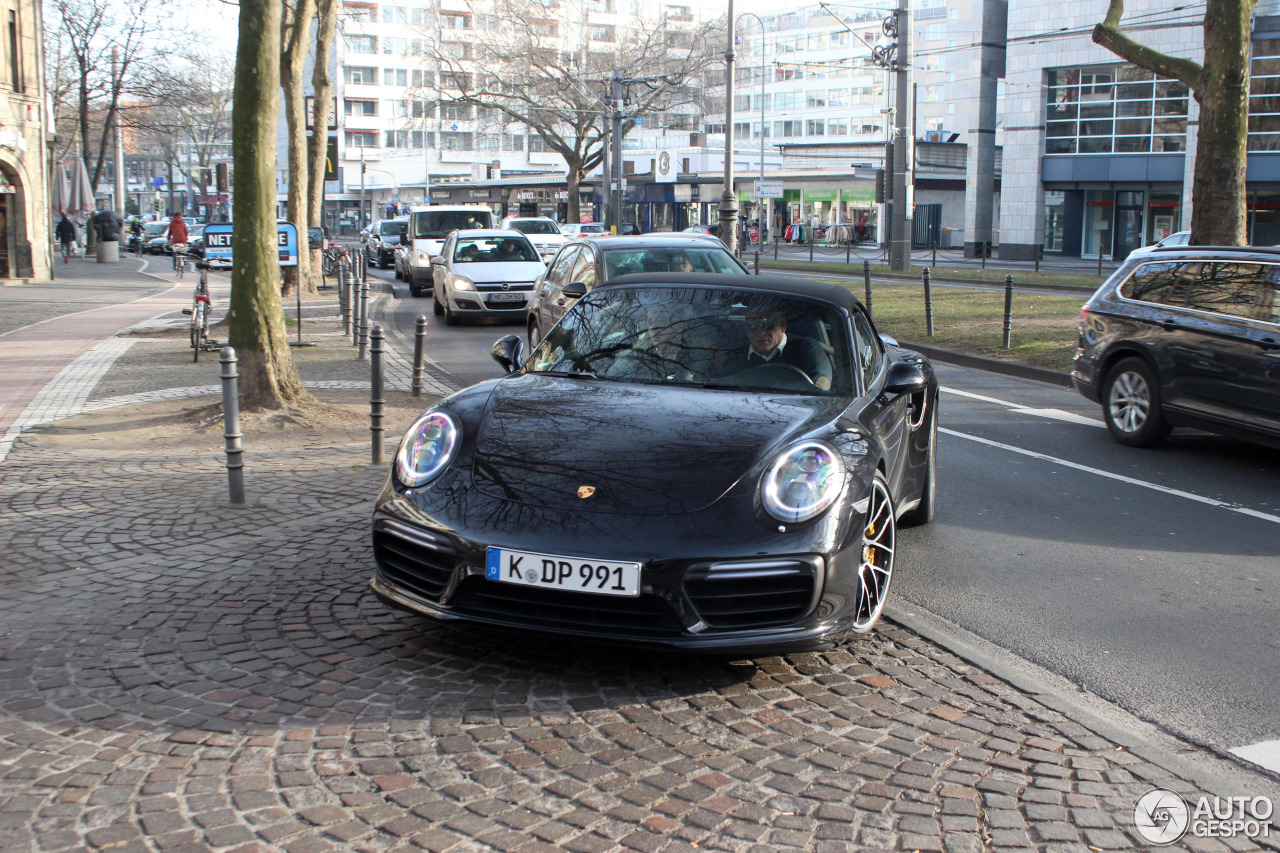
x,y
768,189
218,237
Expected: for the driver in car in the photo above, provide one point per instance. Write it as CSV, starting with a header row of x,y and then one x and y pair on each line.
x,y
767,343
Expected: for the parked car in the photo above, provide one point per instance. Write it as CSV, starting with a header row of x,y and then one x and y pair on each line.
x,y
153,240
317,238
380,247
583,229
755,512
196,249
428,229
589,262
1186,336
486,272
1178,238
628,229
713,230
542,232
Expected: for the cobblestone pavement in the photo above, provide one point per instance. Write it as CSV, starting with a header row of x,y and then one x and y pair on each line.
x,y
81,285
178,676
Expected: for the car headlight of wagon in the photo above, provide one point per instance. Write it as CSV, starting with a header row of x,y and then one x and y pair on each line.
x,y
427,449
461,282
802,482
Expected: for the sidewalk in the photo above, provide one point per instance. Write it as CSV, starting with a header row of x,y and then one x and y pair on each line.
x,y
180,676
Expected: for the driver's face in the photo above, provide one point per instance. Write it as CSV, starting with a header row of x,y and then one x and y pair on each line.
x,y
765,331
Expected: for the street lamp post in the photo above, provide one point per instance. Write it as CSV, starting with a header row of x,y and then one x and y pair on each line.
x,y
729,200
760,202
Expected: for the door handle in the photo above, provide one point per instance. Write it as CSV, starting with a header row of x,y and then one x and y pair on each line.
x,y
1169,323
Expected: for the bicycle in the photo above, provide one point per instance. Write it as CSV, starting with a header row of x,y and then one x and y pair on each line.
x,y
199,312
179,259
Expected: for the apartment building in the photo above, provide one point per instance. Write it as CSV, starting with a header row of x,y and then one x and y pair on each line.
x,y
397,63
1100,154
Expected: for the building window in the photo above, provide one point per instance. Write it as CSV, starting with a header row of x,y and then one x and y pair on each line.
x,y
397,139
838,98
742,102
456,49
395,76
359,76
455,21
360,44
454,141
361,14
395,15
816,98
537,144
360,108
455,80
1264,96
512,142
837,127
815,127
357,139
1116,110
600,32
935,32
455,112
395,46
15,53
423,78
788,128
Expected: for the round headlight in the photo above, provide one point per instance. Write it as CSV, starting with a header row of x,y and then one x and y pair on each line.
x,y
802,482
426,449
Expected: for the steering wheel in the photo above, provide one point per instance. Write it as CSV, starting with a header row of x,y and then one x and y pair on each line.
x,y
775,366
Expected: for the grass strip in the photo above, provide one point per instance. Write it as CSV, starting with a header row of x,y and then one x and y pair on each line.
x,y
990,276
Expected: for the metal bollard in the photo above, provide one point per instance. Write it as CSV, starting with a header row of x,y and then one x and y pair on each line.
x,y
419,343
1037,259
848,247
866,278
757,260
982,247
354,299
344,298
928,305
375,396
775,249
1099,260
935,253
1008,311
231,426
364,320
812,240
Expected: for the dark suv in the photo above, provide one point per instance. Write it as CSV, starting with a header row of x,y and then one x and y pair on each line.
x,y
1186,336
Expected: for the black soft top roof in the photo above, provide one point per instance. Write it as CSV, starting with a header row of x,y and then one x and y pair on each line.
x,y
841,296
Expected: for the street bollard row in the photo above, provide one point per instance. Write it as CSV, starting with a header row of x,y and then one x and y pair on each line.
x,y
866,278
419,346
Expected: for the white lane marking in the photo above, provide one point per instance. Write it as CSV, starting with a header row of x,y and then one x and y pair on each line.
x,y
1253,513
1264,754
1051,414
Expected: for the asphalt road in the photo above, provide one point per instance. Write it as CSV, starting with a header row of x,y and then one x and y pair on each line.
x,y
1147,577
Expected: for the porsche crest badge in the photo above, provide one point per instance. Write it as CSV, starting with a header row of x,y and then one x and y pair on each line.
x,y
585,492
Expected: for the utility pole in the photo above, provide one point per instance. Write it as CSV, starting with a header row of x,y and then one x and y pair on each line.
x,y
615,161
360,223
903,191
729,200
122,192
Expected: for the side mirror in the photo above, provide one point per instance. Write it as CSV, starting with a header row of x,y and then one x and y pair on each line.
x,y
905,377
437,260
508,352
574,290
405,241
888,340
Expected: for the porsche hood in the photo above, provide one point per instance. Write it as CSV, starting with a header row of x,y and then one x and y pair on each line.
x,y
593,446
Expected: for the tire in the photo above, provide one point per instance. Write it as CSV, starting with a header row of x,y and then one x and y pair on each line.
x,y
414,290
875,564
923,512
1131,404
450,318
535,335
197,331
436,307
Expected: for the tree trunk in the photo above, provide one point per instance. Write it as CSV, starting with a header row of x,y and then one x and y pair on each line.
x,y
1218,187
295,43
268,377
573,180
322,88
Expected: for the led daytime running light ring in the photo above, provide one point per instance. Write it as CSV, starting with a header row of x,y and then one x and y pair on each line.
x,y
772,491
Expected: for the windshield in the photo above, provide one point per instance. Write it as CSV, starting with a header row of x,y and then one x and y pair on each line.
x,y
395,226
696,257
436,224
156,229
702,336
533,226
472,250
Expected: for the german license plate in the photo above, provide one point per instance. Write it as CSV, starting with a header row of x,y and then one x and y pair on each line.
x,y
506,297
576,574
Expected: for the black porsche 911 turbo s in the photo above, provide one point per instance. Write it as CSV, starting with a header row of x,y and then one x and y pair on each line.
x,y
706,462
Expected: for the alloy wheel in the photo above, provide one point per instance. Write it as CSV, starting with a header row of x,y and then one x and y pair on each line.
x,y
875,570
1130,401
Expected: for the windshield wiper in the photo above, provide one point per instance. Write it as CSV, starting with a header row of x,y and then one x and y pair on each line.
x,y
586,373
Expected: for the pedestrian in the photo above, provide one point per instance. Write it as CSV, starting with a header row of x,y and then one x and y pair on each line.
x,y
67,237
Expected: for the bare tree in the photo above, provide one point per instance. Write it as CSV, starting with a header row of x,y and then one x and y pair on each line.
x,y
322,88
295,40
269,378
523,71
1221,87
88,86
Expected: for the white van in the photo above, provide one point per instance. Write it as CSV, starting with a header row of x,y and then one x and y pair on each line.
x,y
428,228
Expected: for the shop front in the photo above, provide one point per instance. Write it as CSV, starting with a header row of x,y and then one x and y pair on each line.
x,y
1110,222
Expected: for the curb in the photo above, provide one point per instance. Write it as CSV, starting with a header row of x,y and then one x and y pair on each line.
x,y
992,365
1212,769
